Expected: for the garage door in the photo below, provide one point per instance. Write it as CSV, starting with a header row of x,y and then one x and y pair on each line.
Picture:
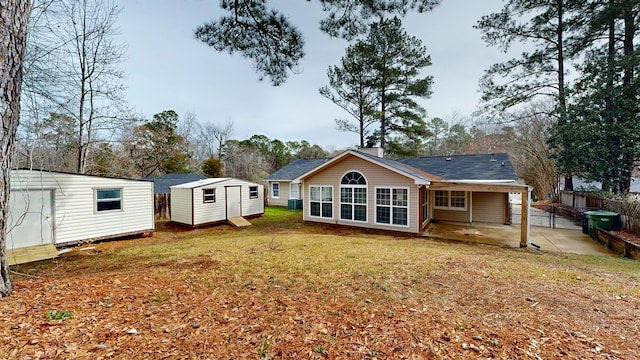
x,y
30,218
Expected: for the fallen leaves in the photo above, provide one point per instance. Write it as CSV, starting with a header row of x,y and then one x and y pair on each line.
x,y
470,303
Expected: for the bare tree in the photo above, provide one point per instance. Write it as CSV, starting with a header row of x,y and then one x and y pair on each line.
x,y
14,15
188,128
73,69
212,138
528,148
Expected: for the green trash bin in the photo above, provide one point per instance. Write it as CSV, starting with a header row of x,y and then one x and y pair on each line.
x,y
600,219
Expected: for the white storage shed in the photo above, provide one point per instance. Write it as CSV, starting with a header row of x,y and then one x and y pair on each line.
x,y
215,200
57,208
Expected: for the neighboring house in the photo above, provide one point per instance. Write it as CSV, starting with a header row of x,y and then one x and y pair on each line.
x,y
215,200
162,184
283,185
359,189
581,184
56,208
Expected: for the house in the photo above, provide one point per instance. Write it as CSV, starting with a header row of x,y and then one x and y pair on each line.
x,y
360,189
162,184
162,188
48,208
215,200
283,185
582,184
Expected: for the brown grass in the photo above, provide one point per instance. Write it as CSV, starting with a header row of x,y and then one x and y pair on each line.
x,y
285,289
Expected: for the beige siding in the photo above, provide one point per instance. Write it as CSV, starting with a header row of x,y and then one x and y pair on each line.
x,y
204,213
75,214
489,207
451,215
251,207
181,206
209,212
283,199
448,215
485,207
376,176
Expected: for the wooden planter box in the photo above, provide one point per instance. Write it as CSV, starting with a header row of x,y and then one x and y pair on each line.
x,y
618,244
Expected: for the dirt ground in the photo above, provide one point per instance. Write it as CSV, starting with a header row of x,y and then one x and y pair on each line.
x,y
382,297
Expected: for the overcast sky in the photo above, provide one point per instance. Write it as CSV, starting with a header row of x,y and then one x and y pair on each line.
x,y
167,68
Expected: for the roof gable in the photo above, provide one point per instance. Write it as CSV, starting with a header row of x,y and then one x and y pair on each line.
x,y
419,176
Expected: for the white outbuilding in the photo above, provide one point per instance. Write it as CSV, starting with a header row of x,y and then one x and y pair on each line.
x,y
48,209
215,200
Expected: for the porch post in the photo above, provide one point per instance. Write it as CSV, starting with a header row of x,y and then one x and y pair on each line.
x,y
524,218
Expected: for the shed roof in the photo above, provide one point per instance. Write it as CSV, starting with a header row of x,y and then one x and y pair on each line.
x,y
199,183
479,167
295,168
161,184
45,171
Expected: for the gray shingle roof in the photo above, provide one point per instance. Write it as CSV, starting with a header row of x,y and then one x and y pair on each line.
x,y
161,184
466,167
294,169
400,166
490,167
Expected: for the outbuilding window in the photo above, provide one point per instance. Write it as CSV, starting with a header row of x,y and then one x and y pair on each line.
x,y
450,200
253,192
208,196
108,199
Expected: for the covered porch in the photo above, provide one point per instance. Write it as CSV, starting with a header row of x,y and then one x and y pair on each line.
x,y
521,232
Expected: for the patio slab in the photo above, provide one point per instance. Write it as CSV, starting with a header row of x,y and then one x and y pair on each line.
x,y
546,239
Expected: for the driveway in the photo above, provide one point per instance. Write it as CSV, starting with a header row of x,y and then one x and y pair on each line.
x,y
541,218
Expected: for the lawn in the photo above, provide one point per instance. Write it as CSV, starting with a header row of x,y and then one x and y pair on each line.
x,y
284,289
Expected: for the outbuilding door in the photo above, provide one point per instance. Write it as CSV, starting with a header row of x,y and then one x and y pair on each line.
x,y
233,201
30,218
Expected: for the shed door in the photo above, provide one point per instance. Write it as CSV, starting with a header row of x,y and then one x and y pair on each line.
x,y
233,201
30,218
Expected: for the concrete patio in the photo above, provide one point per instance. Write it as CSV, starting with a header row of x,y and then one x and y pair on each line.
x,y
571,241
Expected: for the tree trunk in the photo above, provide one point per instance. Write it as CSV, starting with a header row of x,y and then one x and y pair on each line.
x,y
14,16
630,94
562,96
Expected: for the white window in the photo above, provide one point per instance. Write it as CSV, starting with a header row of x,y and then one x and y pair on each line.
x,y
253,192
275,190
108,199
392,206
450,200
208,196
293,191
321,201
353,197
